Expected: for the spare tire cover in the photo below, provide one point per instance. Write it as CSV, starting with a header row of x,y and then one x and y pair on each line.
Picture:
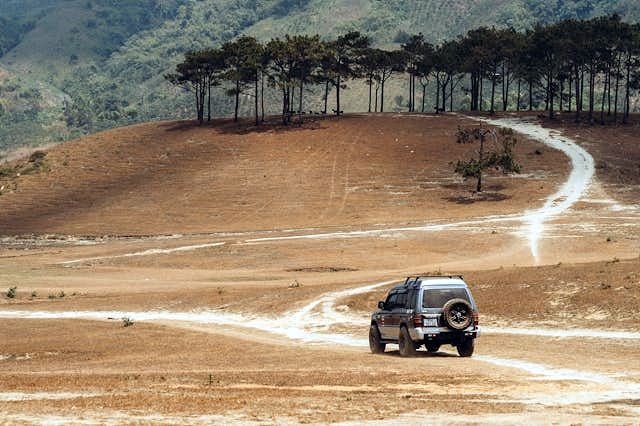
x,y
458,314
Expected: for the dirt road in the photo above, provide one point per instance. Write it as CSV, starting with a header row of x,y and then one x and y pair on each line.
x,y
269,326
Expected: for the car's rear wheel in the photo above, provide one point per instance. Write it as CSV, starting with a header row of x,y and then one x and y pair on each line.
x,y
375,341
466,347
406,345
432,347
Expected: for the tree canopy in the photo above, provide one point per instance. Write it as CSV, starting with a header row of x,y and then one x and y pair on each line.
x,y
583,65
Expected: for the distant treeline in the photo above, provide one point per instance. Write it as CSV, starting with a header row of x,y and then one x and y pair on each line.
x,y
590,67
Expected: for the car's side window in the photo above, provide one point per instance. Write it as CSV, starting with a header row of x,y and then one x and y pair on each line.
x,y
391,302
402,301
411,300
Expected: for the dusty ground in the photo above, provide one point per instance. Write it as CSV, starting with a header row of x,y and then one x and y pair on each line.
x,y
355,171
240,210
618,159
596,294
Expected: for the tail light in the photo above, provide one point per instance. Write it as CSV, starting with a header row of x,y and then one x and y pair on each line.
x,y
476,318
417,320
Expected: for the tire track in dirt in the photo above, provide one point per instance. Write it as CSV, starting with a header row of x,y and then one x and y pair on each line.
x,y
574,188
532,222
148,252
295,326
290,325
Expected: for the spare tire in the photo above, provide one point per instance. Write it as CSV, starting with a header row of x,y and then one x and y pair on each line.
x,y
458,314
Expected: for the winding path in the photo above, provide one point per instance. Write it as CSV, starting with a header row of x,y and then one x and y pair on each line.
x,y
323,309
580,177
531,222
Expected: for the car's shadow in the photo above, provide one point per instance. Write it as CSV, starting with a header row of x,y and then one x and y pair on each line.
x,y
423,354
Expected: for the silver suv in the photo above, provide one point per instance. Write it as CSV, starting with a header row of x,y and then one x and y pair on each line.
x,y
430,311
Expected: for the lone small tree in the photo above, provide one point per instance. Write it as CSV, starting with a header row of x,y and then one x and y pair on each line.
x,y
499,155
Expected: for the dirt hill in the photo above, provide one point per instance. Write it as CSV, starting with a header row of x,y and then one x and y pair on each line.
x,y
176,177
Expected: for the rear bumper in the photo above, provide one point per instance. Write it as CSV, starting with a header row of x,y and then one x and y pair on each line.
x,y
428,334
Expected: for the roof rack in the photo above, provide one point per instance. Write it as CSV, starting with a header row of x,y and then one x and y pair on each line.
x,y
409,278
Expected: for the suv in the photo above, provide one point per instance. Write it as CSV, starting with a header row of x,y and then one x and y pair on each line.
x,y
430,311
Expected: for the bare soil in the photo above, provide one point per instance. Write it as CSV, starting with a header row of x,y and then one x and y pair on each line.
x,y
105,197
615,148
170,177
601,295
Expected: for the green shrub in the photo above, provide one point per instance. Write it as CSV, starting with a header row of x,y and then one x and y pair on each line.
x,y
11,293
37,157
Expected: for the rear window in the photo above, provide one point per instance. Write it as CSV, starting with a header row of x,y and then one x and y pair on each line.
x,y
436,298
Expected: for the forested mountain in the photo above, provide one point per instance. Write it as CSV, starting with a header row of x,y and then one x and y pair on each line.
x,y
77,66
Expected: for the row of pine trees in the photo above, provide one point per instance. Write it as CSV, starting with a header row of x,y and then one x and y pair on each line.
x,y
588,67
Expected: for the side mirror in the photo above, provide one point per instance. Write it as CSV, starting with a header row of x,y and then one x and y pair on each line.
x,y
381,305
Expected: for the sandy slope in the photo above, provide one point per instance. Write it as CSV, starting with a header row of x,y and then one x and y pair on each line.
x,y
202,307
355,171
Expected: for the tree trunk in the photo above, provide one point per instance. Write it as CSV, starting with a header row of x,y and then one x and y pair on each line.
x,y
582,89
560,106
289,103
285,105
578,83
609,90
481,100
424,94
506,98
256,101
198,112
370,90
530,95
481,159
326,96
235,115
382,96
437,94
547,91
292,100
262,96
627,96
473,87
451,96
413,95
338,97
209,102
519,95
615,107
602,104
300,103
552,114
201,94
505,88
592,83
493,96
410,91
570,93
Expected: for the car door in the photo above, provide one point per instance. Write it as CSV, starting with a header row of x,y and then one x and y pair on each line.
x,y
397,315
385,323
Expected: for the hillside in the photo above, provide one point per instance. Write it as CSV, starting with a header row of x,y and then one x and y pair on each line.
x,y
108,58
356,171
